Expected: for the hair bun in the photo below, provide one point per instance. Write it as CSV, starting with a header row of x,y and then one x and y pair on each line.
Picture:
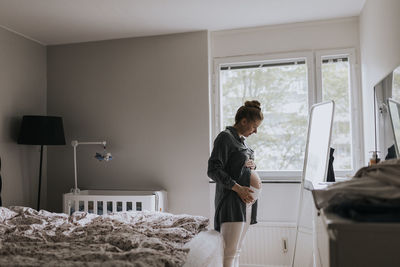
x,y
253,104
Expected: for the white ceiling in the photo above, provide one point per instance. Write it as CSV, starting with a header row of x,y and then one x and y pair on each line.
x,y
69,21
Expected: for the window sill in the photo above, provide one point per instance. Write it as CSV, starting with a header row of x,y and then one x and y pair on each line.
x,y
274,181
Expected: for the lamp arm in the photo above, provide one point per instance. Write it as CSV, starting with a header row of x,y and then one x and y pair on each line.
x,y
75,143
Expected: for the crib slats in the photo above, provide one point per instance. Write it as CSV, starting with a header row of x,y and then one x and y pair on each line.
x,y
110,201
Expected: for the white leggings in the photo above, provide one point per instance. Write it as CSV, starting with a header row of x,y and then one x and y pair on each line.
x,y
234,234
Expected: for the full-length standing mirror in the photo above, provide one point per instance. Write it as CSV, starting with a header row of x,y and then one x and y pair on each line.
x,y
314,172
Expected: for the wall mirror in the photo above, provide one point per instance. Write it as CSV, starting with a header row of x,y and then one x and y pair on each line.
x,y
387,88
394,114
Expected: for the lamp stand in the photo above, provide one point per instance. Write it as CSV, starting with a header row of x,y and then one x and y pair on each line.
x,y
40,177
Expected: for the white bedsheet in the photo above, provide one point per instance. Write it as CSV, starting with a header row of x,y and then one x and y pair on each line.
x,y
206,250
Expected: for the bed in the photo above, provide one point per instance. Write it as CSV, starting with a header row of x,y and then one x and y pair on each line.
x,y
134,238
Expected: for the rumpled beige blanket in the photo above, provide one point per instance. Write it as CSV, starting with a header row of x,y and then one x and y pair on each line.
x,y
376,182
31,238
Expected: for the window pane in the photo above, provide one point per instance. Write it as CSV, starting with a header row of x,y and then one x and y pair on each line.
x,y
336,87
396,84
283,93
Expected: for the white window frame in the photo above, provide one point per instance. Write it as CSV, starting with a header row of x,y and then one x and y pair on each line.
x,y
313,61
216,94
355,102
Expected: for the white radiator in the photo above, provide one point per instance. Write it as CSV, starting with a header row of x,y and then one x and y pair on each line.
x,y
107,201
268,244
264,245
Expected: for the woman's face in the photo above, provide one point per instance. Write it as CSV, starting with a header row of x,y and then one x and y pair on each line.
x,y
249,127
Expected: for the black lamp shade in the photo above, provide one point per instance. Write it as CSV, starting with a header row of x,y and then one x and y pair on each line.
x,y
41,130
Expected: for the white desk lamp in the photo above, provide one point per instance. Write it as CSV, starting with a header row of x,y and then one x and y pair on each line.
x,y
104,156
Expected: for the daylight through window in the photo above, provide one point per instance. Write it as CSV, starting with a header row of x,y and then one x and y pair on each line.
x,y
396,84
287,86
335,74
282,89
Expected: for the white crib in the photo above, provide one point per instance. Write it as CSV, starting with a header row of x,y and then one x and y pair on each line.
x,y
108,201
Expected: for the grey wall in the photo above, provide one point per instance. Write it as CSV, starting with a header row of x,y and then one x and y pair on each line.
x,y
22,91
148,98
380,54
284,38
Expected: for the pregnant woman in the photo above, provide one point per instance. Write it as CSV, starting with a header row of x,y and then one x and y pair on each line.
x,y
232,167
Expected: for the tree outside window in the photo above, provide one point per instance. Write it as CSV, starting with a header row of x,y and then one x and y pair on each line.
x,y
335,73
283,93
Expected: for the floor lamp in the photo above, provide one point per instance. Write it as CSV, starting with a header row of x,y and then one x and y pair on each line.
x,y
41,130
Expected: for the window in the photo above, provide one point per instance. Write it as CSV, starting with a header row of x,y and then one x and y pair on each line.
x,y
284,84
335,72
281,87
335,75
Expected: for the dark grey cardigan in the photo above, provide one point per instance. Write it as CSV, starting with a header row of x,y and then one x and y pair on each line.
x,y
226,167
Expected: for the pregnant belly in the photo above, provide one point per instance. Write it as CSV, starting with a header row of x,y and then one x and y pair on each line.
x,y
255,180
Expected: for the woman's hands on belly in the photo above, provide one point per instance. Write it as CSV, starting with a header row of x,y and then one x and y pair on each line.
x,y
255,180
250,164
244,193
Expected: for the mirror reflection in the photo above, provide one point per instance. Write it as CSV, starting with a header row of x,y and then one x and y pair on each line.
x,y
396,84
394,109
317,149
385,136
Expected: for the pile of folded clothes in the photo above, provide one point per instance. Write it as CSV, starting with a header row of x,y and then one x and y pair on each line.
x,y
372,195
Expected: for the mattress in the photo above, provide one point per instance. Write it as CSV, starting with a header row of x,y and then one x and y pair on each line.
x,y
32,238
